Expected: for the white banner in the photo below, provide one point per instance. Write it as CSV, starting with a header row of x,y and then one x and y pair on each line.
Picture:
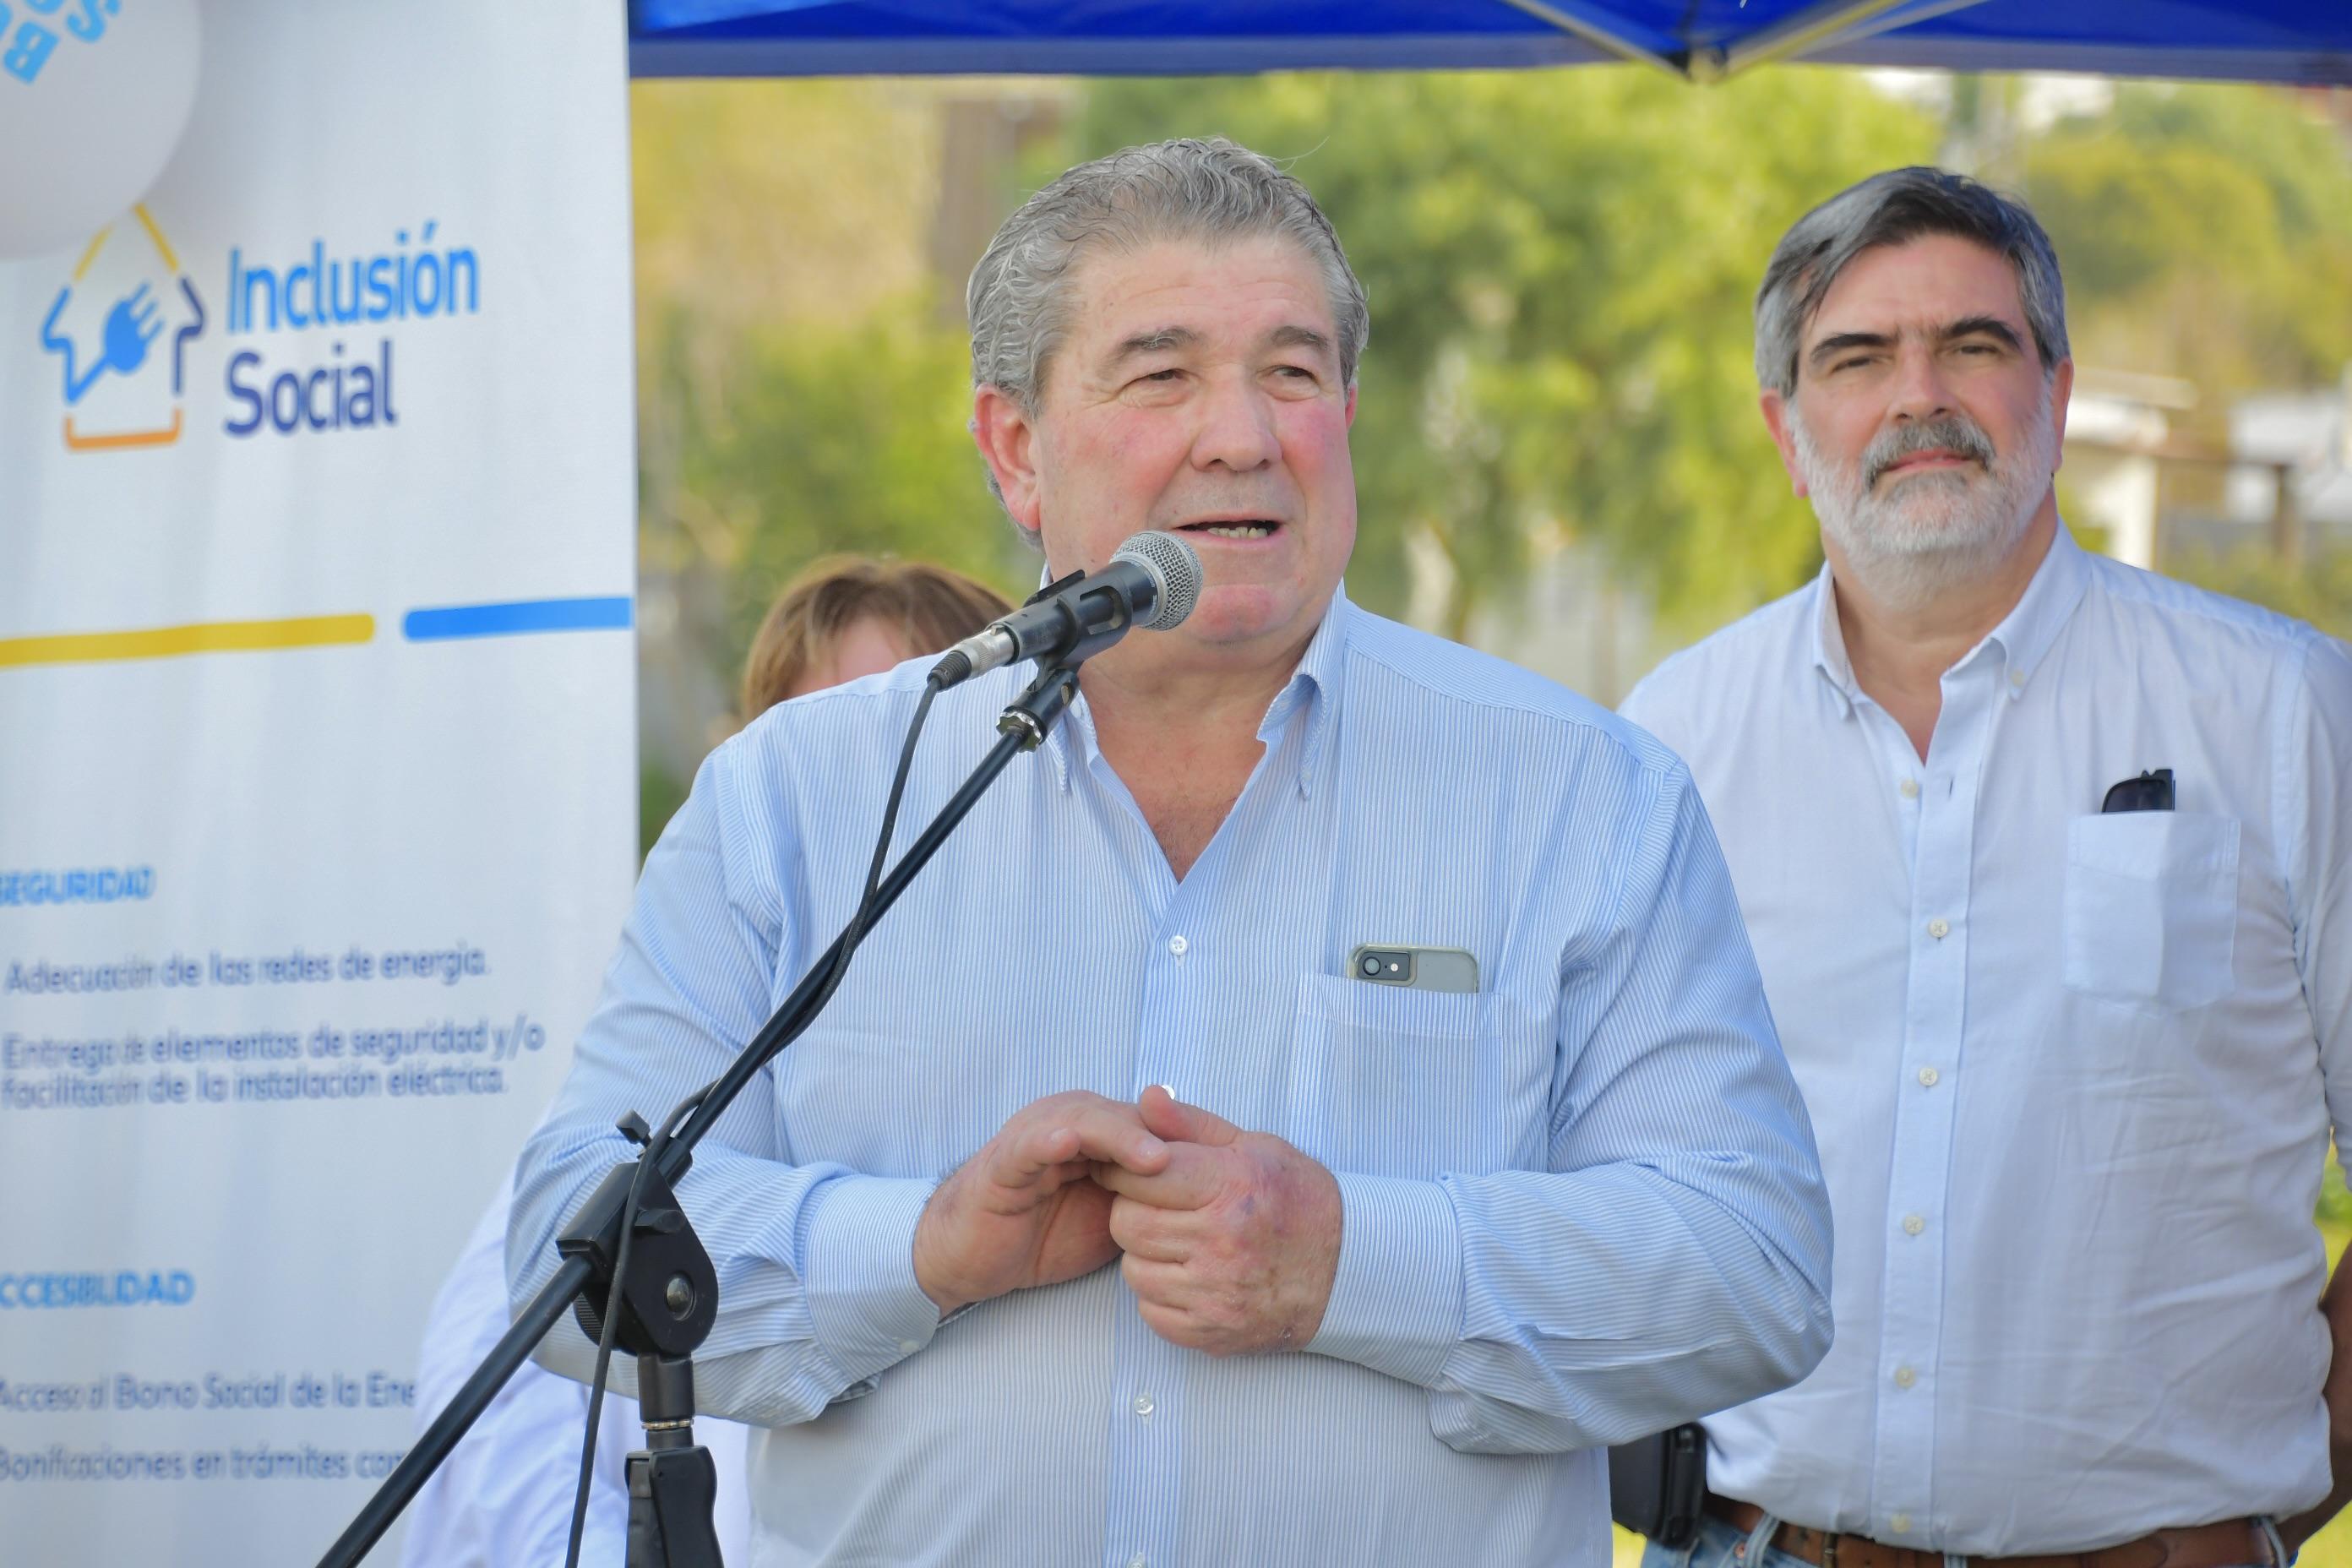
x,y
316,759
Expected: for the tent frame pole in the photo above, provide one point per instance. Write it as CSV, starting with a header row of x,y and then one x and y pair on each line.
x,y
1600,37
1810,28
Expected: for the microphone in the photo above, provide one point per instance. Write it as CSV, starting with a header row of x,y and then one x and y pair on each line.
x,y
1153,581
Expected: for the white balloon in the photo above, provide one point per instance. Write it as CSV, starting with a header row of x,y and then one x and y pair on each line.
x,y
93,97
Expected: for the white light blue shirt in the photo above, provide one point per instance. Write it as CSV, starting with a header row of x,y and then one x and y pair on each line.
x,y
2073,1074
1579,1204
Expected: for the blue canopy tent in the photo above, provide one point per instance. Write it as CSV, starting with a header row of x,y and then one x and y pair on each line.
x,y
2307,41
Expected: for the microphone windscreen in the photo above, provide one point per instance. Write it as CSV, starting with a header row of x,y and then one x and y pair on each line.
x,y
1174,565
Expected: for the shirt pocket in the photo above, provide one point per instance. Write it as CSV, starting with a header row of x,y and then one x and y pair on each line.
x,y
1387,1080
2151,910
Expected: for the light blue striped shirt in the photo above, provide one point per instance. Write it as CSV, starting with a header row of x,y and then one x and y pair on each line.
x,y
1579,1204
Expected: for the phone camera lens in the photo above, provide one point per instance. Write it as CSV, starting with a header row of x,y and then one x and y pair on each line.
x,y
1371,964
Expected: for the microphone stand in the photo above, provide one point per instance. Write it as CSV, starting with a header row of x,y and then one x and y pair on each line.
x,y
670,1292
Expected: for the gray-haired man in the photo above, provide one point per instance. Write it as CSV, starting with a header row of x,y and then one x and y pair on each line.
x,y
1477,1231
2048,864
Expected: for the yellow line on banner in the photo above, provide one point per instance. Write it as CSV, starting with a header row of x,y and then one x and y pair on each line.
x,y
201,636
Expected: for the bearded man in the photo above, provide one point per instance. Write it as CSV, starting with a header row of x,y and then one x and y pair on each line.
x,y
2048,866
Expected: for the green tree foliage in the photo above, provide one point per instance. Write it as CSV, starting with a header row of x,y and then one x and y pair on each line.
x,y
2318,590
2205,232
799,393
798,390
764,203
823,438
1561,267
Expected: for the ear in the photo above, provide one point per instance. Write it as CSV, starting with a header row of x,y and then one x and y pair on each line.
x,y
1777,415
1351,408
1008,444
2061,391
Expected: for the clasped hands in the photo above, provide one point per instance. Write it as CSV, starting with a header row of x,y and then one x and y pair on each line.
x,y
1228,1238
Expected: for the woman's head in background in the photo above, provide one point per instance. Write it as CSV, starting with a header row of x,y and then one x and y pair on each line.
x,y
849,615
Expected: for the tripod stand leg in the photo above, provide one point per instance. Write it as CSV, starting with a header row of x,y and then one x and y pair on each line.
x,y
671,1494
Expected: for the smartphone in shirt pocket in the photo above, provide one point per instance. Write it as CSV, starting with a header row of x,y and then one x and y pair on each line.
x,y
1417,1070
1449,969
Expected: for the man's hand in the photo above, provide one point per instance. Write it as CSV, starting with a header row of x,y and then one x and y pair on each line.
x,y
1022,1211
1231,1246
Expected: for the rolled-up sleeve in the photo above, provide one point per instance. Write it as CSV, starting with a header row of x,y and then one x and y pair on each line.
x,y
1674,1258
815,1261
2315,784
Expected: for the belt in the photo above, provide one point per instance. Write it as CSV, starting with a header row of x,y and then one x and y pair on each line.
x,y
2225,1545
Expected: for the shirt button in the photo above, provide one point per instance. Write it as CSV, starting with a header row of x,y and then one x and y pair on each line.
x,y
1910,789
1927,1076
1940,928
1904,1377
1900,1524
909,1347
1143,1405
1177,946
1137,1561
2017,677
1912,1225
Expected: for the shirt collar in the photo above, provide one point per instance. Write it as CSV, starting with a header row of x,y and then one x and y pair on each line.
x,y
2030,630
2024,637
1829,640
1313,690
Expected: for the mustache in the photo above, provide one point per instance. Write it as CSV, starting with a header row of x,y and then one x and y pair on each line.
x,y
1952,433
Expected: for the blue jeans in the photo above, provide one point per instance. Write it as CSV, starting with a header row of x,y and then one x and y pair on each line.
x,y
1719,1545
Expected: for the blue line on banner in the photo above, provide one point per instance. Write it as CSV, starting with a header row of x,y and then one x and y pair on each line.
x,y
525,615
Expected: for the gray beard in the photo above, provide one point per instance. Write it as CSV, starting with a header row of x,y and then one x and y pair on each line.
x,y
1933,531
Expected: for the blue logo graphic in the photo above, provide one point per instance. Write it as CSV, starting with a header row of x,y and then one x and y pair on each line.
x,y
130,326
339,390
131,331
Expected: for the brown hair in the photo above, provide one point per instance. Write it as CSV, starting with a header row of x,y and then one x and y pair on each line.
x,y
930,607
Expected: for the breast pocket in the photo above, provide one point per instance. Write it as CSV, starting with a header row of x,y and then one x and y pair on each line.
x,y
1390,1082
2151,913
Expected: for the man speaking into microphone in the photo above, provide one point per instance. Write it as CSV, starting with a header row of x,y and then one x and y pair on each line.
x,y
1305,1109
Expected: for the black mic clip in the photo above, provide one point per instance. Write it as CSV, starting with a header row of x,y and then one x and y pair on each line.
x,y
1050,589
